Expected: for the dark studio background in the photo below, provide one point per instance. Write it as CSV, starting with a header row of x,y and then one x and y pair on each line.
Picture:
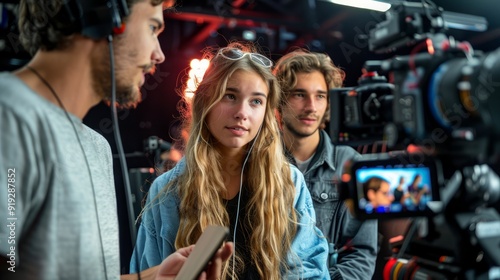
x,y
278,25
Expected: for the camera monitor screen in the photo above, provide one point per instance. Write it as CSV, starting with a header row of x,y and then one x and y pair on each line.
x,y
388,189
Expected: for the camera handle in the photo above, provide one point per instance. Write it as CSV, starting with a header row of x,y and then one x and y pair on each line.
x,y
481,223
480,187
483,229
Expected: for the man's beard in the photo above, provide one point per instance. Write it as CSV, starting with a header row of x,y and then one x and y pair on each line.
x,y
127,93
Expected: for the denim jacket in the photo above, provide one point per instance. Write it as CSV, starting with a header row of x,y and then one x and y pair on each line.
x,y
353,243
160,222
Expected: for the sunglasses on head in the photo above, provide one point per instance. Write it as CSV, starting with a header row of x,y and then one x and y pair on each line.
x,y
237,54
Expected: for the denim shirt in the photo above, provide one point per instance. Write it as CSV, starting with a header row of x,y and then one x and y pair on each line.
x,y
353,243
160,222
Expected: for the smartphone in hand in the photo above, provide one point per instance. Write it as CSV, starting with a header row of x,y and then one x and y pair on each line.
x,y
205,248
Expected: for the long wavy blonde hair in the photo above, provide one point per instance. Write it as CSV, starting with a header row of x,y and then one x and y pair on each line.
x,y
271,219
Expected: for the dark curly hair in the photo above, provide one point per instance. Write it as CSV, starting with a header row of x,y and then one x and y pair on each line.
x,y
42,24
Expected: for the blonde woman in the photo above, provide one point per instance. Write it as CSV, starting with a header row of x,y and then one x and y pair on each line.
x,y
234,173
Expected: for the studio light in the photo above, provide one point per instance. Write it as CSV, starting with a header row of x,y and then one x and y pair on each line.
x,y
364,4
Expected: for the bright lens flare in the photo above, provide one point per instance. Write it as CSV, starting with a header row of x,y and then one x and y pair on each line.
x,y
198,68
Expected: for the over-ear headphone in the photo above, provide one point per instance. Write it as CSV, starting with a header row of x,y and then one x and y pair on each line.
x,y
96,19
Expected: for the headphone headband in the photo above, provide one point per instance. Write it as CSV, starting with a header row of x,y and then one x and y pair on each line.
x,y
95,19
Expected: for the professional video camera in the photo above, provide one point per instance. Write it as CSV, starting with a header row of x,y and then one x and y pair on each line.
x,y
439,114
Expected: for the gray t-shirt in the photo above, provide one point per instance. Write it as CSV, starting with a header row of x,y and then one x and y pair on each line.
x,y
58,217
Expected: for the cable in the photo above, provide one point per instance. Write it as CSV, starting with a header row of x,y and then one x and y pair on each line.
x,y
239,196
119,148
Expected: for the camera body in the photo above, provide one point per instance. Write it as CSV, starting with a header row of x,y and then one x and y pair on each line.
x,y
360,113
444,101
441,97
438,113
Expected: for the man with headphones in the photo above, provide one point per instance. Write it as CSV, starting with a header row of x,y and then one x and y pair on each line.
x,y
57,199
